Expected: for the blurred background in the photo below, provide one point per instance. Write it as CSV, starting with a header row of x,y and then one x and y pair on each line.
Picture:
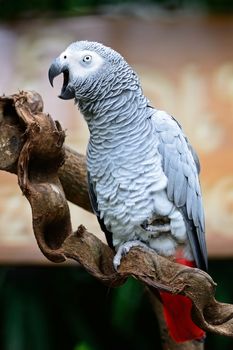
x,y
183,52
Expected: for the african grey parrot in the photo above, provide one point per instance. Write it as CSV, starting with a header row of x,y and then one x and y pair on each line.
x,y
142,171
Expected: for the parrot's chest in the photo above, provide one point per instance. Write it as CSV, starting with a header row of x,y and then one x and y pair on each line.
x,y
127,184
126,199
130,185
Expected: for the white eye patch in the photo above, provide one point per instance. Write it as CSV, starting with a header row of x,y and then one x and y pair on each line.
x,y
83,63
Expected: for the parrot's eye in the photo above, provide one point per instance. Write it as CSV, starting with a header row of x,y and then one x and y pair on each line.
x,y
87,58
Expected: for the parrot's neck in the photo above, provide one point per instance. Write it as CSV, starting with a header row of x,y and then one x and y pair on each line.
x,y
119,123
115,104
116,113
121,131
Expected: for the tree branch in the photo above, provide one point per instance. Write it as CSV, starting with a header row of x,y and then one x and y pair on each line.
x,y
31,145
72,172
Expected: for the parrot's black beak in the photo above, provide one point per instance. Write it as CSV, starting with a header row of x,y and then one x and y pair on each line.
x,y
67,91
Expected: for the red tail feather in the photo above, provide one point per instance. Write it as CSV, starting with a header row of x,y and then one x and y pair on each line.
x,y
177,313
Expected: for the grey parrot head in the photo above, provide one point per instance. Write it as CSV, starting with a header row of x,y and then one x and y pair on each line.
x,y
83,65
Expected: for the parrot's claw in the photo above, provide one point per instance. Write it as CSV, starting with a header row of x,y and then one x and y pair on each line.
x,y
156,229
124,249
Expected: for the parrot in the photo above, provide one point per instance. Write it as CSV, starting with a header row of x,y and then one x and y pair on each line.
x,y
143,174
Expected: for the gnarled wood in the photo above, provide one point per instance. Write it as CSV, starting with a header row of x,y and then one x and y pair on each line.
x,y
72,173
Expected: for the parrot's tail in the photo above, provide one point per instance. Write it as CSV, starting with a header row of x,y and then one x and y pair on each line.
x,y
177,313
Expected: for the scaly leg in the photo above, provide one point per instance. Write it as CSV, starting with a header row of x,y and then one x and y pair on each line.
x,y
156,228
125,248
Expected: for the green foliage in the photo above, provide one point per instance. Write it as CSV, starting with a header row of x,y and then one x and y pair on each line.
x,y
57,308
222,273
11,9
83,346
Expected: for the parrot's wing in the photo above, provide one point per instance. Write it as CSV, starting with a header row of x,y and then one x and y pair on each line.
x,y
181,166
94,204
192,150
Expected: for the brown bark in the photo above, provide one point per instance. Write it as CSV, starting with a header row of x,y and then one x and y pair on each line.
x,y
31,145
72,172
73,176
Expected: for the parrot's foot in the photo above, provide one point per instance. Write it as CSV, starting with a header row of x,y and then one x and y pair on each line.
x,y
124,249
156,229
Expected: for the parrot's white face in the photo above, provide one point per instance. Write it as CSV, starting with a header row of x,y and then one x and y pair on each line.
x,y
81,64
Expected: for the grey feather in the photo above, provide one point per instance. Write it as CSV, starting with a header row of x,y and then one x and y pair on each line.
x,y
182,199
181,166
94,204
189,201
179,187
192,150
171,174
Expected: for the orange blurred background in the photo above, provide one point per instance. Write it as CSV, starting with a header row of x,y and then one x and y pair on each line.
x,y
186,67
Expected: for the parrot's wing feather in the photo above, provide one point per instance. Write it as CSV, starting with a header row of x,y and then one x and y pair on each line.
x,y
195,156
94,204
192,150
181,166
